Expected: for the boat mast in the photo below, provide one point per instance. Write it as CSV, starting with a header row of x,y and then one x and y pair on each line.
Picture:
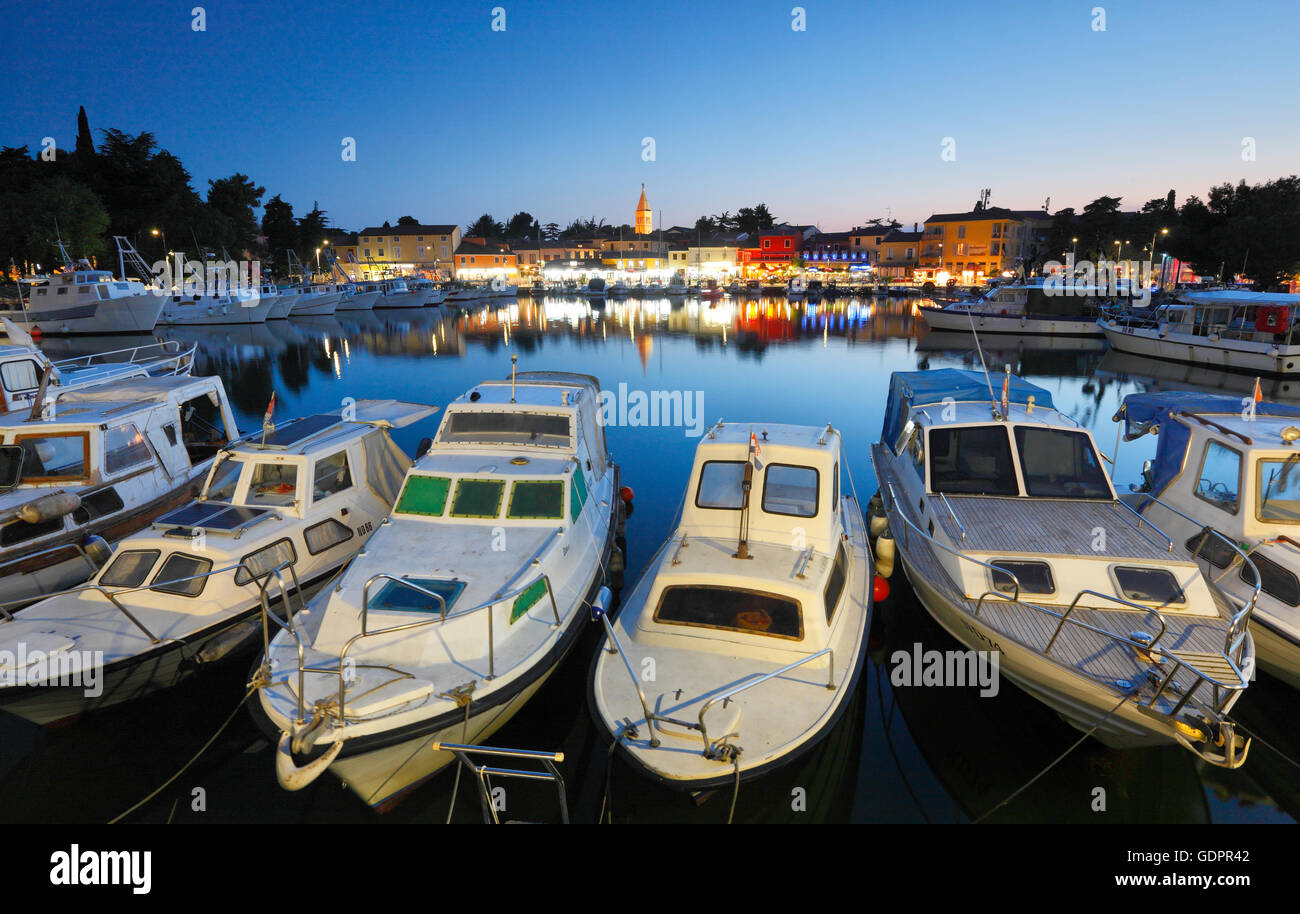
x,y
746,485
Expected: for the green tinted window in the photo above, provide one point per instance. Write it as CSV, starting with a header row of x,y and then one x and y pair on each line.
x,y
579,497
527,599
531,500
425,495
478,498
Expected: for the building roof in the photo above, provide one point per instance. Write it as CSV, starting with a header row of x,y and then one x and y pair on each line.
x,y
896,236
992,212
409,230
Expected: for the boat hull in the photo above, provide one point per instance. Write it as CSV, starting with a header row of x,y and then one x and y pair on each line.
x,y
136,314
1018,324
1230,355
177,311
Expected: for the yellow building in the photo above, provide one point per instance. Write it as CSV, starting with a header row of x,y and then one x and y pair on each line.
x,y
480,259
644,218
403,249
986,242
897,253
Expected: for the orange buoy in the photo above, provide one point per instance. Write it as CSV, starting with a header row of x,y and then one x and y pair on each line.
x,y
880,589
626,493
35,333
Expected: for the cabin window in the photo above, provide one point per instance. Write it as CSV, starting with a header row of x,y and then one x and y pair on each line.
x,y
577,497
175,572
202,428
224,481
731,609
507,428
1205,545
1279,488
124,447
1034,577
96,505
835,584
790,490
1219,482
22,375
425,495
1276,581
170,431
20,531
1148,585
331,476
720,484
262,562
326,535
395,596
1060,464
11,466
130,568
54,458
478,498
536,501
975,460
273,484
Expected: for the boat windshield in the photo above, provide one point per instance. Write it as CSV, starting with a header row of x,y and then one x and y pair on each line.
x,y
974,460
477,427
1279,490
731,609
1058,463
224,480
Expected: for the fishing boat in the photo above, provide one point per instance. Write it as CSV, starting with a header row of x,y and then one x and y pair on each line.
x,y
282,300
317,299
1224,471
1251,332
462,604
1043,306
394,293
1014,540
23,367
753,615
281,511
91,465
357,297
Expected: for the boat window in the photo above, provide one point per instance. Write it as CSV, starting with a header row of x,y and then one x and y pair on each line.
x,y
273,484
20,531
478,498
326,535
835,584
1060,464
533,500
1034,577
11,466
225,479
264,561
1212,548
507,428
720,482
578,495
331,476
790,490
22,375
96,505
396,597
124,447
55,457
1148,585
1220,478
130,568
731,609
202,428
1276,581
425,495
176,569
975,460
1279,488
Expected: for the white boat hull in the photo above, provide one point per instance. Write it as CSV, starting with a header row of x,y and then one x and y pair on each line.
x,y
135,314
178,310
311,304
1018,324
1233,355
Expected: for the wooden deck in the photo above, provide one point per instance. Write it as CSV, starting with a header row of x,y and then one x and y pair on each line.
x,y
994,525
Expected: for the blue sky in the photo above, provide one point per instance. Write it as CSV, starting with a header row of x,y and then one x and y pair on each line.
x,y
832,125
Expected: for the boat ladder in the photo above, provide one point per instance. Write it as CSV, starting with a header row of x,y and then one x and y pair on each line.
x,y
484,773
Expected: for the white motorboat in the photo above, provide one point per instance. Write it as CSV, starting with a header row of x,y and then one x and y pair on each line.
x,y
280,513
394,293
753,616
1048,307
1225,472
1251,332
462,604
282,300
1014,540
94,464
234,306
618,289
317,299
365,297
84,300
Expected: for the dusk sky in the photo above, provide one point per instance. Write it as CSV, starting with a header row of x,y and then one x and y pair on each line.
x,y
833,125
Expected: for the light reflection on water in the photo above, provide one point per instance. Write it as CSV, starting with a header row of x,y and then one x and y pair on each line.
x,y
937,755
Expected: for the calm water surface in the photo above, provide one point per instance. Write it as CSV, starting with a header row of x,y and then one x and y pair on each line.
x,y
899,755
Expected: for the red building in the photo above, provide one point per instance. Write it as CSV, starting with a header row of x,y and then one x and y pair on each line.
x,y
776,249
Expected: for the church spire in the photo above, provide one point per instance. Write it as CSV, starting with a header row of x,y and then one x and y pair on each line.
x,y
644,218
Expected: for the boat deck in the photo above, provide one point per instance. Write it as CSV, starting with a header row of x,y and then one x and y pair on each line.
x,y
1064,528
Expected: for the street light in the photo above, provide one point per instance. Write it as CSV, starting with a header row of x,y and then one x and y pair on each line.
x,y
318,260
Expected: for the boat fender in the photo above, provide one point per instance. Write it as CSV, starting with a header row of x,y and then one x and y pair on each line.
x,y
423,447
49,507
97,549
885,555
296,777
223,644
879,589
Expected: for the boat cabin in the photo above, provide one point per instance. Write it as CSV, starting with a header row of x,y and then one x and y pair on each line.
x,y
79,287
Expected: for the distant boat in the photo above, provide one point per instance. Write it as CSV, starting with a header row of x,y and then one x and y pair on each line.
x,y
1023,309
80,299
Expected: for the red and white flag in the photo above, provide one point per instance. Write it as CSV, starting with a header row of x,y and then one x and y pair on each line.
x,y
753,444
1006,391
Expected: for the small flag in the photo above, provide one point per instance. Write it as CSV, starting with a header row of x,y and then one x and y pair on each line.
x,y
753,444
267,424
1006,391
1259,395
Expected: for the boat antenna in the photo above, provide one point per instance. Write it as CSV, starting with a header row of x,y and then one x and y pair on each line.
x,y
514,360
987,380
746,485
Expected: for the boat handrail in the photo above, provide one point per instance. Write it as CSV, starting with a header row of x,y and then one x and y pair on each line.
x,y
953,514
1239,624
168,352
1065,617
481,773
80,549
1169,539
726,696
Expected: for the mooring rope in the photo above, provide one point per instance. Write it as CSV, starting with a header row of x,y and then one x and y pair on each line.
x,y
187,765
1267,745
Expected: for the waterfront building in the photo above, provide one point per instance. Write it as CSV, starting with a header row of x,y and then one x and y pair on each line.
x,y
897,254
984,242
479,258
402,249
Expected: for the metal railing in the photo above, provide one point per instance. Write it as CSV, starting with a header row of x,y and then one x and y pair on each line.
x,y
482,772
77,547
1063,618
169,353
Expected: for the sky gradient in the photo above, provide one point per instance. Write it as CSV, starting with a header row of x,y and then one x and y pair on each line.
x,y
832,126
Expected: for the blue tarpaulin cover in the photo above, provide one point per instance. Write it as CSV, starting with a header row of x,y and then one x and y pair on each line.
x,y
925,388
1140,412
